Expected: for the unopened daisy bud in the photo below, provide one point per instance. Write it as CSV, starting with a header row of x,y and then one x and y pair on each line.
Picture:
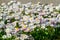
x,y
43,26
4,36
9,35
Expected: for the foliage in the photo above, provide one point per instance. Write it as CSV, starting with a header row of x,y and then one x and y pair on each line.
x,y
49,33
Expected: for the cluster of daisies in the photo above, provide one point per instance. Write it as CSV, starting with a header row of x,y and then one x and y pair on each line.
x,y
16,17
